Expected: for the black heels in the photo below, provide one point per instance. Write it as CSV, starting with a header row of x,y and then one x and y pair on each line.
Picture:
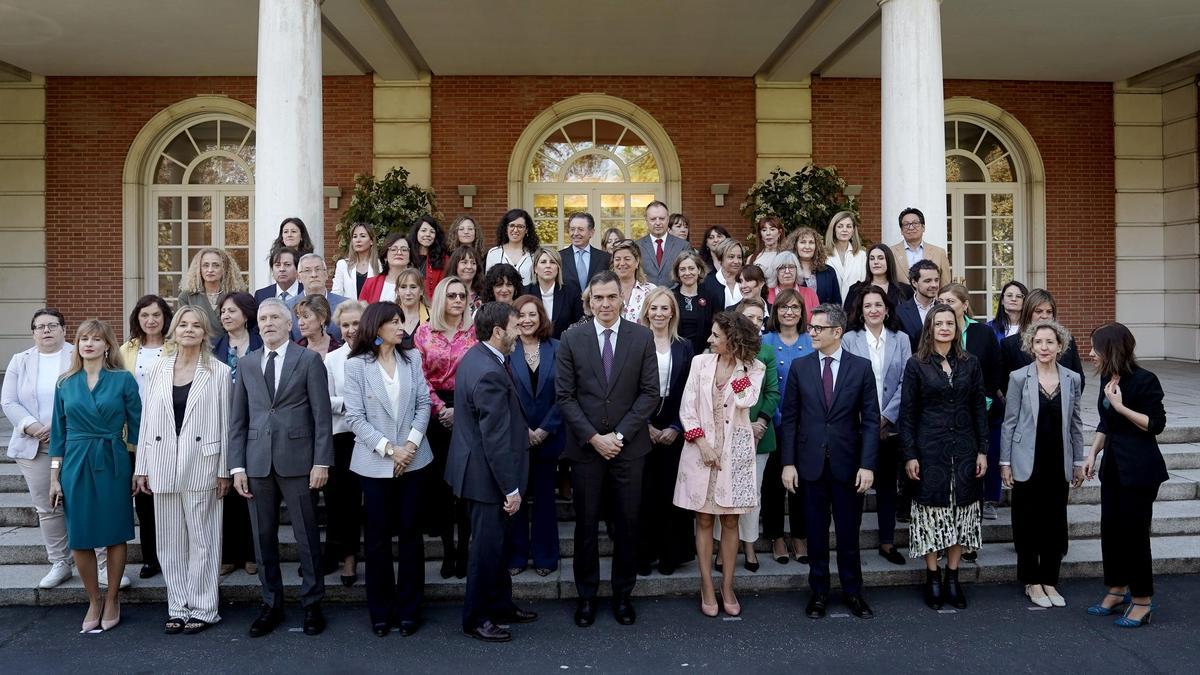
x,y
953,592
933,589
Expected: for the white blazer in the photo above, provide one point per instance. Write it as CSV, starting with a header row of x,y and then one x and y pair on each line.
x,y
345,283
193,460
850,272
20,401
335,368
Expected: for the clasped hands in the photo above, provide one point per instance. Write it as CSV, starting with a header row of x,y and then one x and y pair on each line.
x,y
607,445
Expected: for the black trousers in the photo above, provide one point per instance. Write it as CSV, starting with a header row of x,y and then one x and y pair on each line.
x,y
144,506
1039,521
533,533
1125,515
237,538
666,533
443,512
623,477
343,503
489,587
823,496
886,473
773,496
393,508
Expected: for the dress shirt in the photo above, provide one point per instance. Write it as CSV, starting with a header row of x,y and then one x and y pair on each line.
x,y
600,334
292,291
733,294
834,366
391,384
146,356
877,348
280,352
388,292
914,255
583,258
922,309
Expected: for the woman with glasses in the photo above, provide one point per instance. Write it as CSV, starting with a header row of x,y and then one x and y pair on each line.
x,y
516,242
397,257
1008,312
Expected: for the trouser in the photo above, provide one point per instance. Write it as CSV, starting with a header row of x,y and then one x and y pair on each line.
x,y
51,520
343,503
624,476
1125,515
1039,521
748,521
822,496
264,516
665,532
885,488
443,512
489,587
237,538
143,506
189,550
773,497
991,479
393,508
533,533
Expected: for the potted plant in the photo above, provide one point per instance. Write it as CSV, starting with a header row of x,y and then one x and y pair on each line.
x,y
808,197
387,204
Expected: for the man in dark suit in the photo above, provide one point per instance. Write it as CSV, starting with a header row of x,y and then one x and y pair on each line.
x,y
926,279
283,270
659,248
281,446
829,435
607,387
487,467
581,261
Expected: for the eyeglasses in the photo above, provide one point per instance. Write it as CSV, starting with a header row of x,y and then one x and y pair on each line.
x,y
813,328
456,296
912,225
785,267
516,226
398,249
791,309
45,326
1013,296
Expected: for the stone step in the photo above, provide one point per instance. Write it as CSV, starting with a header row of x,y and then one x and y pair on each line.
x,y
1172,555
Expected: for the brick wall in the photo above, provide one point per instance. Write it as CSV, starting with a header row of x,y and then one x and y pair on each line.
x,y
1073,127
90,123
477,121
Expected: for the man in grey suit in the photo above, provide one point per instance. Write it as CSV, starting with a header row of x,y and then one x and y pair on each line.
x,y
281,446
314,275
487,467
581,261
659,248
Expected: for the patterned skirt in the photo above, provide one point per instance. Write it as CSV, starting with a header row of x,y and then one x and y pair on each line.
x,y
935,528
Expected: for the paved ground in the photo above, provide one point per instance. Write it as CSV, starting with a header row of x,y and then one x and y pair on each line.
x,y
997,633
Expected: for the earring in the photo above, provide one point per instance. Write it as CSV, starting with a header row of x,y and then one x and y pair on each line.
x,y
378,341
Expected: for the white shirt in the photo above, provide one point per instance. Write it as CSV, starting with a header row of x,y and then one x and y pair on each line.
x,y
664,372
47,379
600,335
496,255
146,356
733,294
292,291
877,349
765,260
547,300
391,384
834,366
922,309
388,292
335,367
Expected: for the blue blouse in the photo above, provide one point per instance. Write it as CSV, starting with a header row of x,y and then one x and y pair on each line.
x,y
784,355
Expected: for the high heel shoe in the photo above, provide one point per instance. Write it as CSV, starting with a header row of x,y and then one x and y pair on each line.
x,y
731,608
707,609
1099,609
1126,622
751,565
107,625
89,626
781,558
952,591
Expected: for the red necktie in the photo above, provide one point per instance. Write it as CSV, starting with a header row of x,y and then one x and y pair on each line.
x,y
659,253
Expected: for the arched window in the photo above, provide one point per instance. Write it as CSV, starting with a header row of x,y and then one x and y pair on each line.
x,y
985,224
201,194
596,163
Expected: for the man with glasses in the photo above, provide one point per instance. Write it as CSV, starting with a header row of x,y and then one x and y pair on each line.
x,y
829,438
314,275
581,261
914,248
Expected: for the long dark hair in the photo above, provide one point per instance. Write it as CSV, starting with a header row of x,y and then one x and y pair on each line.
x,y
925,348
1114,344
858,322
1000,321
460,254
306,244
530,243
743,336
436,256
245,304
135,326
375,315
707,254
893,274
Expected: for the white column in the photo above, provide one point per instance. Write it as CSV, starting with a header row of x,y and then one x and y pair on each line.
x,y
288,167
914,152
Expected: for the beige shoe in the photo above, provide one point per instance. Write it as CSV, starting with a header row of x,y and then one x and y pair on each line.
x,y
1055,598
1037,596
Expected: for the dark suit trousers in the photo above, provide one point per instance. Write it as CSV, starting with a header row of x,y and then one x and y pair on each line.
x,y
393,506
773,496
237,538
1125,515
343,503
489,587
886,471
264,516
821,496
144,505
541,541
443,511
623,477
665,532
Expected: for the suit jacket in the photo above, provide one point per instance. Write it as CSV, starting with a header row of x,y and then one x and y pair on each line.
x,y
598,260
334,300
666,414
660,275
200,300
1018,434
272,291
1131,456
372,417
981,342
345,279
895,354
828,289
1012,358
541,408
711,287
287,435
221,349
897,293
568,304
20,401
910,322
933,252
488,457
847,432
590,404
196,457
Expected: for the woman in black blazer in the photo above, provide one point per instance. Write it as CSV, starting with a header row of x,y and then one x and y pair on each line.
x,y
1131,471
665,530
813,272
1039,306
560,299
696,303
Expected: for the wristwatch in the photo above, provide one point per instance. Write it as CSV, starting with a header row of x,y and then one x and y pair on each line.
x,y
620,437
391,450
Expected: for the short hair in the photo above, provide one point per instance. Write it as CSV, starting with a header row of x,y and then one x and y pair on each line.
x,y
782,259
317,304
583,215
501,272
726,246
602,277
656,203
834,314
47,311
925,345
437,309
1114,344
914,272
688,254
1060,333
639,275
913,211
678,219
287,311
170,344
651,297
306,256
782,298
753,273
1038,296
752,301
743,336
344,306
547,252
135,326
818,259
492,315
959,291
375,315
246,304
461,253
831,235
545,327
855,319
278,253
387,244
530,241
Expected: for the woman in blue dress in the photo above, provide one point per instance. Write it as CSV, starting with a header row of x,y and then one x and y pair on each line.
x,y
97,410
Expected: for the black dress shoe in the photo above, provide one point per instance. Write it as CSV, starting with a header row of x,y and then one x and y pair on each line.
x,y
952,592
623,611
859,607
585,613
488,632
407,628
447,567
893,556
149,570
314,620
971,556
349,580
268,619
750,566
815,609
381,629
517,615
460,567
933,589
645,570
666,569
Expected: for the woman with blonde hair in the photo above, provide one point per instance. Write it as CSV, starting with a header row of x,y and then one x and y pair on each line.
x,y
181,462
410,296
627,264
844,251
722,281
559,296
312,312
360,262
463,232
97,410
211,275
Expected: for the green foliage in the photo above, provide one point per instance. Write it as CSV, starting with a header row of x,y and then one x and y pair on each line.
x,y
388,204
808,197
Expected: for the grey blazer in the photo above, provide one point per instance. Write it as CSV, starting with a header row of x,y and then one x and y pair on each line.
x,y
290,434
672,247
1018,434
896,351
370,414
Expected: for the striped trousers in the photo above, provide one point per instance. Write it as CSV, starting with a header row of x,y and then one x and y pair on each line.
x,y
189,550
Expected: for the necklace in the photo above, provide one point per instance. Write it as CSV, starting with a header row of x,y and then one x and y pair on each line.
x,y
533,357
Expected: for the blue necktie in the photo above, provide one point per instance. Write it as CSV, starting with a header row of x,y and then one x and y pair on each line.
x,y
581,268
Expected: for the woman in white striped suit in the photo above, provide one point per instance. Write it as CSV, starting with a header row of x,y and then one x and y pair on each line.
x,y
181,461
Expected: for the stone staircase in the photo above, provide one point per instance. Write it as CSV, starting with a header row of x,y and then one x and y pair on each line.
x,y
1176,546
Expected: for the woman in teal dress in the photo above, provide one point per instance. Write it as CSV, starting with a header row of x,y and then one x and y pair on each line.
x,y
97,410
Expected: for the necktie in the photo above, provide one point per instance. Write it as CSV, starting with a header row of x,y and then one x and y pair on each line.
x,y
282,296
827,381
270,374
659,253
581,267
606,356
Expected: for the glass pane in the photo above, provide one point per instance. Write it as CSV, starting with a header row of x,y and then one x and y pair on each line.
x,y
242,256
975,205
247,152
237,208
607,133
1000,276
990,149
1002,229
974,229
1002,171
976,278
949,207
605,224
237,233
168,172
170,208
960,169
612,206
199,233
950,135
545,206
637,203
580,134
547,231
644,170
1002,204
200,208
1002,255
168,286
191,254
232,134
170,233
218,171
170,260
556,147
205,135
574,204
979,303
631,147
968,135
638,228
181,149
594,169
542,169
975,255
